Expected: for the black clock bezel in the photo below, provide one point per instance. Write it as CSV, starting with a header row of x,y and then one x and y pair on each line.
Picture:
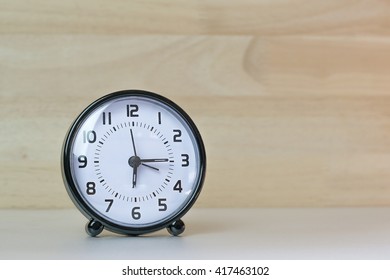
x,y
81,204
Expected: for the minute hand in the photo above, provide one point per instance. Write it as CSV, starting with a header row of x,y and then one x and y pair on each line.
x,y
154,160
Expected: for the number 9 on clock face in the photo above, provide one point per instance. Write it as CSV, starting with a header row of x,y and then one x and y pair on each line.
x,y
133,162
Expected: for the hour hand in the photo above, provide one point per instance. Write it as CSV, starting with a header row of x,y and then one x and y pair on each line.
x,y
149,166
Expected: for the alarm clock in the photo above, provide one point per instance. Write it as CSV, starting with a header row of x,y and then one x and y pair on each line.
x,y
133,162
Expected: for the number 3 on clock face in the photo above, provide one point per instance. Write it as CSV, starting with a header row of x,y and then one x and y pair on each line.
x,y
133,162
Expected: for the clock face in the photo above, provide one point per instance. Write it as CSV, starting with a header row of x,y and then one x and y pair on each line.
x,y
133,160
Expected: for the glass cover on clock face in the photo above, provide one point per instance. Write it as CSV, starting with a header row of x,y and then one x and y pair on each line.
x,y
135,160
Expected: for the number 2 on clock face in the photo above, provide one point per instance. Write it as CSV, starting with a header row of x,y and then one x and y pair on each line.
x,y
136,161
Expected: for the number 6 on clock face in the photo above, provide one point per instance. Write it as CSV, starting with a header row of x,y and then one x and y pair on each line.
x,y
133,162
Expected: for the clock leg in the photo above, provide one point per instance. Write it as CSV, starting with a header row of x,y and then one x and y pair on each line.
x,y
176,228
93,228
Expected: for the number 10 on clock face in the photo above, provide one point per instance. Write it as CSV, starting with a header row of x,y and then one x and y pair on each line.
x,y
134,161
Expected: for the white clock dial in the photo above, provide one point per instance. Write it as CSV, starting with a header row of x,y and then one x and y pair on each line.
x,y
135,161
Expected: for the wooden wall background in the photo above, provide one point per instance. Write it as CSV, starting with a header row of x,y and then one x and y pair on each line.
x,y
292,97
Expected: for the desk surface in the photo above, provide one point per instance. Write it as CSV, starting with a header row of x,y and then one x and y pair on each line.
x,y
349,233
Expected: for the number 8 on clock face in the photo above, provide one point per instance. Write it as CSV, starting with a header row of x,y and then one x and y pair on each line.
x,y
133,162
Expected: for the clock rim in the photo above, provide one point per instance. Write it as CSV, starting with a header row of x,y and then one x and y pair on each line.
x,y
91,213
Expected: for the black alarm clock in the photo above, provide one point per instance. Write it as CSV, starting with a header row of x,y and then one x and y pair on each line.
x,y
133,162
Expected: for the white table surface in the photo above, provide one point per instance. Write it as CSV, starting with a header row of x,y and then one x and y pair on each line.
x,y
348,233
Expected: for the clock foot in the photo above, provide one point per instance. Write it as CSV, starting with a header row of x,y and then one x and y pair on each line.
x,y
93,228
176,228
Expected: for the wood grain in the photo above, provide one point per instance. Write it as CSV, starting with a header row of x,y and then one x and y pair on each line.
x,y
215,17
292,97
